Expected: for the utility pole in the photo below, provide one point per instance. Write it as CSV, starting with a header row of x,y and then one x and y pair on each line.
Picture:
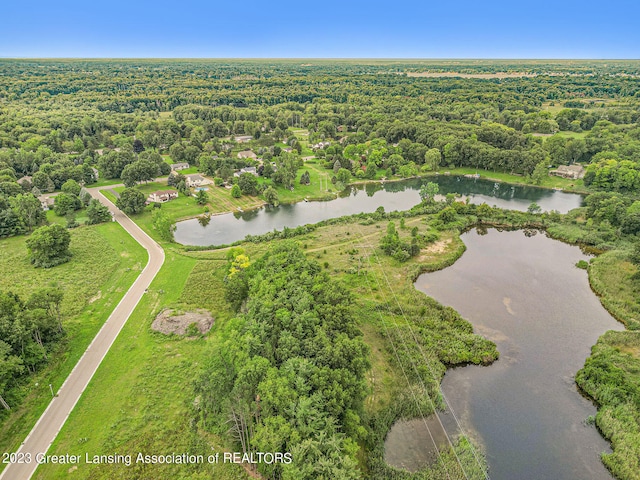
x,y
4,404
51,388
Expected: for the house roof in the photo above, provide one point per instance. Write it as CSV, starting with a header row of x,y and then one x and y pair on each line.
x,y
164,192
571,168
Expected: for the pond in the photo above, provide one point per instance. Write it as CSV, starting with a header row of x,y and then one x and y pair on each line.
x,y
525,294
231,227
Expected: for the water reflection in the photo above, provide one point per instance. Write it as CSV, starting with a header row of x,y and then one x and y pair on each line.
x,y
523,291
229,228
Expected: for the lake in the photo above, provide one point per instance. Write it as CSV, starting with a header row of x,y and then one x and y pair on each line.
x,y
231,227
526,295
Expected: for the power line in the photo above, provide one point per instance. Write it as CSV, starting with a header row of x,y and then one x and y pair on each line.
x,y
433,375
395,351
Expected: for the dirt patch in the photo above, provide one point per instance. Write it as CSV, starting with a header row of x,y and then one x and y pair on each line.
x,y
633,351
434,249
168,321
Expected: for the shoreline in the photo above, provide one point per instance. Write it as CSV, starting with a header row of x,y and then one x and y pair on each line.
x,y
335,195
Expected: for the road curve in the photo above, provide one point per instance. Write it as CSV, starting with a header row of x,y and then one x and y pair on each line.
x,y
50,423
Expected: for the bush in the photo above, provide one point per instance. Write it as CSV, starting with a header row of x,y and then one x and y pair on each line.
x,y
48,246
582,264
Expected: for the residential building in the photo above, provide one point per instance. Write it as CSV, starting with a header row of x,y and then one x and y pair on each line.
x,y
162,196
252,170
195,180
46,202
574,171
247,154
179,166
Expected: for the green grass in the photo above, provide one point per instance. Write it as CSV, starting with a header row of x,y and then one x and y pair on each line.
x,y
610,275
549,182
140,398
569,134
104,182
612,377
106,261
220,201
312,191
183,207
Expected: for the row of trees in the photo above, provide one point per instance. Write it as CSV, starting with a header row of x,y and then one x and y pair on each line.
x,y
29,331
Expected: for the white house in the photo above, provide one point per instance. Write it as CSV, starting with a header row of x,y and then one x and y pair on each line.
x,y
247,154
162,196
251,170
195,180
179,166
46,202
574,171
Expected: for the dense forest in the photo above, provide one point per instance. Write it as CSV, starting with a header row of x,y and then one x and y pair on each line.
x,y
288,368
59,119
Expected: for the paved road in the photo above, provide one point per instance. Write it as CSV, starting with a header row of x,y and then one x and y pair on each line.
x,y
50,423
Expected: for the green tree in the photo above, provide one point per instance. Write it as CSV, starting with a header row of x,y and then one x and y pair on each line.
x,y
343,176
131,201
50,300
248,184
534,208
163,224
286,171
432,159
236,192
28,210
139,171
539,173
43,182
48,246
271,196
201,197
138,146
71,187
429,191
65,203
97,213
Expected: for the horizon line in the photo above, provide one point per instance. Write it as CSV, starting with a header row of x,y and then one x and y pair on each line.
x,y
561,59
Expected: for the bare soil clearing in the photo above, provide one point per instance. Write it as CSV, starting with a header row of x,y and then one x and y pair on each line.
x,y
168,321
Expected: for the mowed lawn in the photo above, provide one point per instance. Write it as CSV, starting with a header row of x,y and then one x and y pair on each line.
x,y
105,262
550,181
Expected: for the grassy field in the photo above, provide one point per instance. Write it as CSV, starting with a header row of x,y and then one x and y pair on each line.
x,y
106,261
610,277
140,398
320,186
549,182
142,395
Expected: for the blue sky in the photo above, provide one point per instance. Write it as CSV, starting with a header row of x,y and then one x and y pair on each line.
x,y
325,29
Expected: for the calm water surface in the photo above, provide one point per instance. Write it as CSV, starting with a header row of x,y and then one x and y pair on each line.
x,y
228,228
526,295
